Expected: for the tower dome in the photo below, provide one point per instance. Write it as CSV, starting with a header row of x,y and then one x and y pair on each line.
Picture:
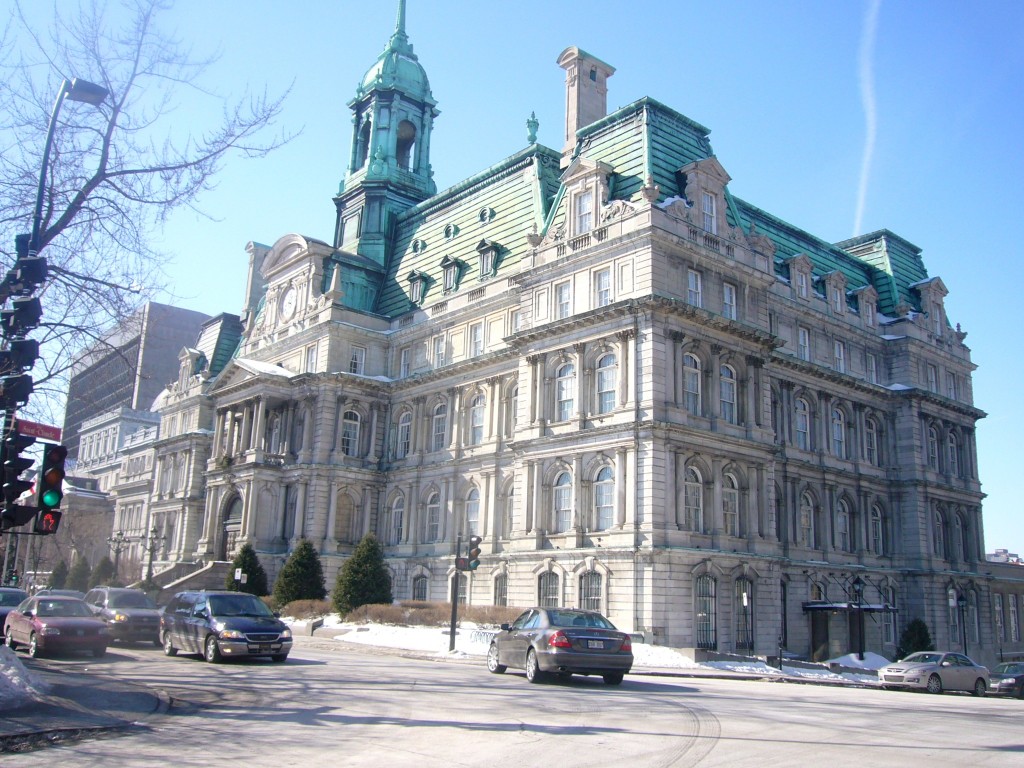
x,y
397,67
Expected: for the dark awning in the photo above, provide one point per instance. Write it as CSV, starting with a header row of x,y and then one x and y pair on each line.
x,y
824,605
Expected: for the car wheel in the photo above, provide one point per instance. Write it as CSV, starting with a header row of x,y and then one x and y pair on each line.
x,y
280,658
100,651
613,678
979,687
9,639
33,646
169,649
934,684
492,660
212,653
533,670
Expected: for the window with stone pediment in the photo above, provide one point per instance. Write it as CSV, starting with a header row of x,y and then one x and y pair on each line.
x,y
562,502
729,301
477,414
403,440
419,588
583,212
877,530
473,512
844,530
802,424
548,591
705,611
691,383
501,589
397,526
693,501
565,390
709,212
439,427
606,379
731,505
604,499
727,383
591,591
602,287
434,517
350,427
933,449
838,433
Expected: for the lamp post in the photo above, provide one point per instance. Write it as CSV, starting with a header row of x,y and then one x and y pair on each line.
x,y
76,90
118,541
152,542
961,604
858,593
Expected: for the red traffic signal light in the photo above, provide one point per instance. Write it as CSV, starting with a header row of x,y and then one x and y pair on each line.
x,y
473,555
48,521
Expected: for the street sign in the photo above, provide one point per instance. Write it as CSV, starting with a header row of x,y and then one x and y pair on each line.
x,y
43,431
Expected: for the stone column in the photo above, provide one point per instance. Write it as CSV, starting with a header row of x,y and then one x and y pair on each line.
x,y
621,494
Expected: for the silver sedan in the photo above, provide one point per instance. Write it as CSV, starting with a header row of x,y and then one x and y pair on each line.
x,y
935,672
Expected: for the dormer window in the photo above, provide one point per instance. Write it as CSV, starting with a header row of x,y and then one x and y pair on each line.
x,y
801,284
417,286
936,314
837,300
708,211
488,264
451,268
583,210
870,319
450,232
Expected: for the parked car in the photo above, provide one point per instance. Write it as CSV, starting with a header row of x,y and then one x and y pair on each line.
x,y
1008,679
53,624
10,597
47,592
935,672
561,641
222,625
130,614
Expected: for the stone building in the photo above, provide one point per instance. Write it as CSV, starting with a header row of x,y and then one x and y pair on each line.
x,y
648,396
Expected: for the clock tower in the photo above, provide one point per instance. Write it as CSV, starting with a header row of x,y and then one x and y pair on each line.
x,y
389,169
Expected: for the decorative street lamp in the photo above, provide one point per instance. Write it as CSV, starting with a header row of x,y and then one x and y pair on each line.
x,y
152,543
858,593
117,543
961,604
76,90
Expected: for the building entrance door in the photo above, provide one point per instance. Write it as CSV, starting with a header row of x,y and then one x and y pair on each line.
x,y
819,635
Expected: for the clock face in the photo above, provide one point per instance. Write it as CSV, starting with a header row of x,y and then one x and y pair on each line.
x,y
288,301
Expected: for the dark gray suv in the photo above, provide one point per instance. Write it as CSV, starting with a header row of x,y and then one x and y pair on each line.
x,y
130,614
222,625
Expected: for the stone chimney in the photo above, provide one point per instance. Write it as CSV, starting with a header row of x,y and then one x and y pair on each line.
x,y
586,93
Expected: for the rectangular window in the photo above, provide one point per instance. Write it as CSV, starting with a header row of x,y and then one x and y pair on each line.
x,y
439,350
937,319
933,379
839,356
516,321
311,359
602,287
804,344
951,386
871,366
476,339
869,314
357,362
693,287
729,301
708,209
801,284
563,301
837,301
584,204
404,358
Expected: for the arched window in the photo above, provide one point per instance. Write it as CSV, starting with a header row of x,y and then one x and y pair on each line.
x,y
604,499
844,537
691,383
476,420
727,393
731,505
744,615
344,518
565,387
877,531
953,456
364,143
397,521
806,520
838,433
562,502
350,424
802,427
404,441
591,591
548,593
693,501
473,512
501,589
406,144
939,535
606,376
419,588
439,427
871,442
933,448
434,517
704,610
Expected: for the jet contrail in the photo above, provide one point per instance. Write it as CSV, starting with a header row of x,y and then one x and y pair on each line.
x,y
867,97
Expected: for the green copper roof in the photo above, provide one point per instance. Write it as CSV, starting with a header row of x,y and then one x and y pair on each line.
x,y
397,67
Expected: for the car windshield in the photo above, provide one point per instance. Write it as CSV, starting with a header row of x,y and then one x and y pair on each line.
x,y
11,598
578,619
1010,669
62,608
923,658
131,600
222,605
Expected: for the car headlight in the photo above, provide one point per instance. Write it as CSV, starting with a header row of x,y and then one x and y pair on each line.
x,y
119,617
49,631
232,634
286,633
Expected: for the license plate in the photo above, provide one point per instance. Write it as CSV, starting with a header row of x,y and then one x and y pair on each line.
x,y
595,644
263,648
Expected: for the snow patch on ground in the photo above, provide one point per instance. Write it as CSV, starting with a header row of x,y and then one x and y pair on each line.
x,y
18,686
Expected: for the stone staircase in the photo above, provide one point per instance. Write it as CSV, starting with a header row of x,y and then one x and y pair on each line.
x,y
189,576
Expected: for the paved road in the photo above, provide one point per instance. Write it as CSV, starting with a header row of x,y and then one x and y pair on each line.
x,y
356,707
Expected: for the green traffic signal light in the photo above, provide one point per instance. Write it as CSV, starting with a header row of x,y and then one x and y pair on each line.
x,y
50,491
473,555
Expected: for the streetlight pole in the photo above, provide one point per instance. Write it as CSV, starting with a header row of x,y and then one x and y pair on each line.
x,y
117,542
151,545
961,604
858,593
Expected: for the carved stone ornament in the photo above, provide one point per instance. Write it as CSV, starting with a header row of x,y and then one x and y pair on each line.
x,y
616,209
533,237
650,190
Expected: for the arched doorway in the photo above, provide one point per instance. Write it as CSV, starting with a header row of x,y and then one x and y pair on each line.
x,y
232,528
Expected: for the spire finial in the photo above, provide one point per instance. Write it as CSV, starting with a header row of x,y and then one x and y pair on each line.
x,y
399,35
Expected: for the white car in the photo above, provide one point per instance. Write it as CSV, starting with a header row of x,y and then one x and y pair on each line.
x,y
935,672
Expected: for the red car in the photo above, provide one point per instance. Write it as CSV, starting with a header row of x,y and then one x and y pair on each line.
x,y
50,623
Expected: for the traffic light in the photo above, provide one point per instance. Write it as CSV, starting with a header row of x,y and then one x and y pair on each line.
x,y
14,464
48,522
50,488
473,555
21,355
30,270
16,390
24,316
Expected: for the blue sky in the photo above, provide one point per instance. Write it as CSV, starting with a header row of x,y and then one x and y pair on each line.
x,y
839,117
